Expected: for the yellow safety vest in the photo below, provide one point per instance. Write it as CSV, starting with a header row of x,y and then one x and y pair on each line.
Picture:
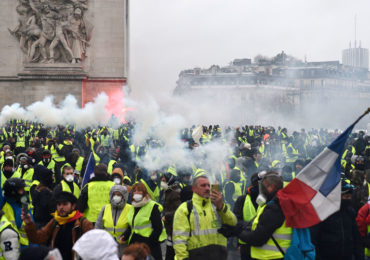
x,y
141,224
27,177
237,189
367,251
154,194
292,157
16,174
79,164
98,196
110,166
122,223
282,235
249,212
76,189
104,140
9,214
21,141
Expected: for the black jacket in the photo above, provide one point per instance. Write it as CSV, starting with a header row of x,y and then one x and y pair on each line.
x,y
271,219
338,237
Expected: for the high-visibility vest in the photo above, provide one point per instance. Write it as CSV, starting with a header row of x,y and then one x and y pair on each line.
x,y
249,212
21,141
110,166
141,224
79,164
237,189
4,223
76,189
121,225
198,228
98,196
367,251
27,177
15,174
50,166
104,140
282,235
290,158
9,214
153,193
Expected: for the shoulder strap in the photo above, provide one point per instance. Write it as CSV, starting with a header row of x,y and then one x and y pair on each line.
x,y
277,245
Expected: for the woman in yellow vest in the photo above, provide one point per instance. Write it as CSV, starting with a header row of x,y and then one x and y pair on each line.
x,y
145,223
113,216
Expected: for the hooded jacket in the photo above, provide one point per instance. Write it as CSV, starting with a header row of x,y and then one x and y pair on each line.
x,y
116,208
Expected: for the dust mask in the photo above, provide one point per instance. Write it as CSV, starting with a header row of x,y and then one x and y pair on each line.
x,y
116,199
164,185
137,197
69,178
117,181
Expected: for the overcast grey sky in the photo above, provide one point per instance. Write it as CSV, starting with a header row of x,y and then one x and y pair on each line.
x,y
168,36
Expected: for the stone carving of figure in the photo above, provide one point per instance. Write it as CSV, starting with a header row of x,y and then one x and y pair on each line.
x,y
48,32
52,30
78,40
59,37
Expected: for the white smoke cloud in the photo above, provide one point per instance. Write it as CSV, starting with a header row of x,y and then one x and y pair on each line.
x,y
67,112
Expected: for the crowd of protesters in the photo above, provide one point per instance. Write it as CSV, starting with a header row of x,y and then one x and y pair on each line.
x,y
43,202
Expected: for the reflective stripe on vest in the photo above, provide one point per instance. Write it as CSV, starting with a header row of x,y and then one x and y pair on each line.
x,y
122,223
98,196
141,224
76,189
282,235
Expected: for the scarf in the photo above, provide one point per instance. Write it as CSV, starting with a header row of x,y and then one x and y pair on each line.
x,y
64,220
141,203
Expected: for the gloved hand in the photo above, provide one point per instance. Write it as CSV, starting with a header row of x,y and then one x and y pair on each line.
x,y
229,231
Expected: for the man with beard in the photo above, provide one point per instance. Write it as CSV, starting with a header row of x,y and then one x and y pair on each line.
x,y
63,230
268,223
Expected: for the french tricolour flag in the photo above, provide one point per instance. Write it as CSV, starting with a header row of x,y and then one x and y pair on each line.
x,y
89,171
315,193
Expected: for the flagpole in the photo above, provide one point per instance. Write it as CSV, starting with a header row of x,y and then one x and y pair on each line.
x,y
364,114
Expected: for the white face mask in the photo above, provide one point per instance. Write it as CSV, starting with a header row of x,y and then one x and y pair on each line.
x,y
69,178
153,177
116,199
117,181
137,197
164,185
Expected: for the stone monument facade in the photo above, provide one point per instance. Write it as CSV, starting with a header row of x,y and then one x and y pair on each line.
x,y
53,47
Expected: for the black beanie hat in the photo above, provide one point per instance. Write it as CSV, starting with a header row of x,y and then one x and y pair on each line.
x,y
64,196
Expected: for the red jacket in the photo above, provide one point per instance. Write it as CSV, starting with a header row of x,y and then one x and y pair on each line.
x,y
363,219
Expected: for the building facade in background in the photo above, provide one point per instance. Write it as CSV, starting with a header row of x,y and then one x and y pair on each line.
x,y
281,83
356,57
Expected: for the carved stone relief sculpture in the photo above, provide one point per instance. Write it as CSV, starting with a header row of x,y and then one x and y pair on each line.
x,y
52,31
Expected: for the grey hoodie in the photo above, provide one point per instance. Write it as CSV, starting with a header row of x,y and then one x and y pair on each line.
x,y
116,208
